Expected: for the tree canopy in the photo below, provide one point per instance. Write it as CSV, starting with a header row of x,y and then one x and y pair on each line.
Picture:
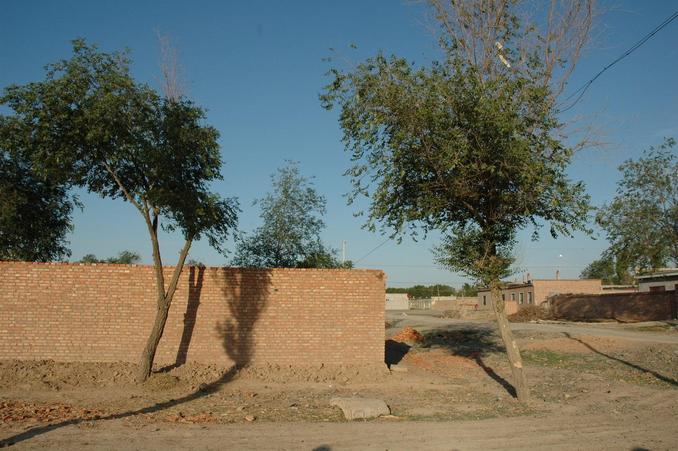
x,y
611,270
641,222
440,148
35,212
292,220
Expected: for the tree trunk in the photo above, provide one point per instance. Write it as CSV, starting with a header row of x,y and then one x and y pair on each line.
x,y
512,351
163,306
148,354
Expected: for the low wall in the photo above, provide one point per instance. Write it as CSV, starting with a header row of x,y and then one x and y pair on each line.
x,y
444,304
104,312
419,304
617,306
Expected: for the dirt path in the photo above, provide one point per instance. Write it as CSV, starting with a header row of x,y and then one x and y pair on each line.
x,y
623,432
426,322
598,331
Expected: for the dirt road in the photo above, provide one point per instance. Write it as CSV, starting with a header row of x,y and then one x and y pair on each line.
x,y
426,321
622,432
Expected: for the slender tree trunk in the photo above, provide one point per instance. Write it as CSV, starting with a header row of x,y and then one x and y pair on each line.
x,y
515,360
163,305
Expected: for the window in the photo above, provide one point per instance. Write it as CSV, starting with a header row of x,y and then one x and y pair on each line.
x,y
529,297
513,296
503,297
484,300
521,296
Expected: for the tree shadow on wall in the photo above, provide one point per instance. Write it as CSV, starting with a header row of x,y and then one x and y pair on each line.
x,y
196,275
246,292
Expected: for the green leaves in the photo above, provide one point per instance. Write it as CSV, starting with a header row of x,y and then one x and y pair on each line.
x,y
90,124
34,211
441,148
292,222
641,222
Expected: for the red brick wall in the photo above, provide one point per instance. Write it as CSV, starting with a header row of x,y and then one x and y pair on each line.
x,y
619,306
104,312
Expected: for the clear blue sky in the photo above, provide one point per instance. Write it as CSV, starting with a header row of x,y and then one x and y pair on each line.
x,y
257,67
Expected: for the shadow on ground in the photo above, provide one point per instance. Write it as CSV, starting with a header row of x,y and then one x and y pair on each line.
x,y
246,294
658,376
472,343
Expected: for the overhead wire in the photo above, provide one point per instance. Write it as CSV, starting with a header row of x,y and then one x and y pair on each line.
x,y
370,252
582,90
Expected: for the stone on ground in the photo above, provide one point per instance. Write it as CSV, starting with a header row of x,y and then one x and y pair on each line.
x,y
354,408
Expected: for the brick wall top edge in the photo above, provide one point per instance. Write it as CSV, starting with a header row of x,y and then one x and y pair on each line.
x,y
614,295
117,265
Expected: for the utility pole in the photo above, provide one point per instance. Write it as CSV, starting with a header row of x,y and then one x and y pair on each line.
x,y
343,252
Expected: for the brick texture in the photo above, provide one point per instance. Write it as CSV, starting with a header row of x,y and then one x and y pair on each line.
x,y
104,312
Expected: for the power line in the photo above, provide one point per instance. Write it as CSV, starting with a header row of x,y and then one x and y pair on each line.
x,y
366,255
582,90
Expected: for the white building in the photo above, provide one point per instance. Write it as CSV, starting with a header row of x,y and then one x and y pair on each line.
x,y
662,280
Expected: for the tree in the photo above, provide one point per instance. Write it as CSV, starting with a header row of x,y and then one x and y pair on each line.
x,y
35,212
609,269
641,222
292,222
123,258
90,124
470,146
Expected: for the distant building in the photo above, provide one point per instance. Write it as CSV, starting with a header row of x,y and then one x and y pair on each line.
x,y
397,301
661,280
537,291
610,289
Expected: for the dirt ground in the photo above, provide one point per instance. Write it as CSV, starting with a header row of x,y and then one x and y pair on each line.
x,y
449,390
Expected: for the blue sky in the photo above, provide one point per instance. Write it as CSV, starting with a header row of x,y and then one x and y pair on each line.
x,y
257,68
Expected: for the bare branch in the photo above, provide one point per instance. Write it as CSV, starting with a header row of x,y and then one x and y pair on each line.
x,y
499,35
172,81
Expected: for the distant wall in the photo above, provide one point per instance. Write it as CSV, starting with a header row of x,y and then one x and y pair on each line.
x,y
397,301
452,302
104,312
618,306
511,307
546,288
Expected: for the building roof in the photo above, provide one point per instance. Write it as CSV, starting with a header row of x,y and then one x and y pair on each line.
x,y
660,273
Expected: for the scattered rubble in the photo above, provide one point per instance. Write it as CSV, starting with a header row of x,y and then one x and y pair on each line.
x,y
408,335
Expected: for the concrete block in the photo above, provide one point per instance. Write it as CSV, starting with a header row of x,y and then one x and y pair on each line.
x,y
354,408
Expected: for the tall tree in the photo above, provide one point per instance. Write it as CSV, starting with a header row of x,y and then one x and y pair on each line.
x,y
35,212
641,222
292,220
610,269
470,146
91,124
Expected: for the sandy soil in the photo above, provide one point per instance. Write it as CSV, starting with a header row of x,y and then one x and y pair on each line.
x,y
450,391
